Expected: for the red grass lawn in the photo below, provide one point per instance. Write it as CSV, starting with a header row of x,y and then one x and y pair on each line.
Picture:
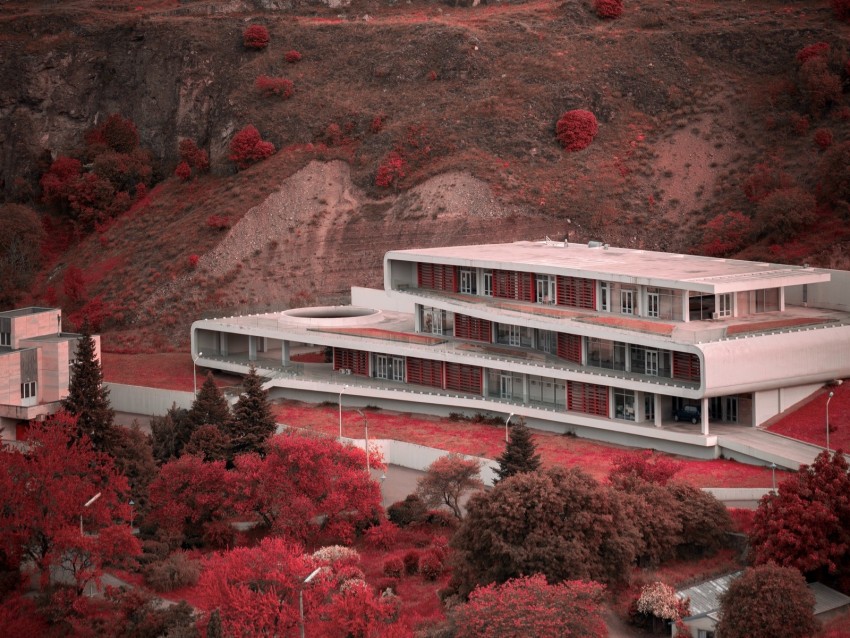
x,y
386,335
632,324
488,441
169,371
773,325
808,421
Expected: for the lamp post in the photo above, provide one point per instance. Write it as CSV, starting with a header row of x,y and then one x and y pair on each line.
x,y
344,388
87,504
301,596
507,421
827,420
132,503
195,374
366,430
773,476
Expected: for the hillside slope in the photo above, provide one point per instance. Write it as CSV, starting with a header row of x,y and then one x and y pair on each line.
x,y
691,96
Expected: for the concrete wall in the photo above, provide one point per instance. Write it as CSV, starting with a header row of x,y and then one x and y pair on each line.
x,y
378,299
10,378
834,294
38,324
769,403
148,401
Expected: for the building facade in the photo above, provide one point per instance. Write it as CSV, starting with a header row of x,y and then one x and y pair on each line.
x,y
568,336
35,366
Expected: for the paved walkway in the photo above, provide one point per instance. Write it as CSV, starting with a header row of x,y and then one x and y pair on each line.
x,y
766,446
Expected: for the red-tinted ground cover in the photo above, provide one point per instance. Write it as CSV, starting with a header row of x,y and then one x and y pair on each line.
x,y
488,441
387,335
808,422
773,325
169,371
632,324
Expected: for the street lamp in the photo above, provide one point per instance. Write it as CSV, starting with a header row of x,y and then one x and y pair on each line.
x,y
366,430
773,475
344,388
132,503
301,596
195,374
87,504
827,420
507,421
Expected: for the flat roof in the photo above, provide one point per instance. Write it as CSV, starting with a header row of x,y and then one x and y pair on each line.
x,y
21,312
626,265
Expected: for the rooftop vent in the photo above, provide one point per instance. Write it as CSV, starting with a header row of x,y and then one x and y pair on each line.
x,y
595,244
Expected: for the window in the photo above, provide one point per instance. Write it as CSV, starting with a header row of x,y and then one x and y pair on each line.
x,y
488,283
627,302
652,304
602,353
724,305
624,404
28,390
605,297
545,289
467,281
5,338
547,341
433,320
705,633
649,407
388,367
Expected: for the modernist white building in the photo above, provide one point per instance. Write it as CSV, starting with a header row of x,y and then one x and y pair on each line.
x,y
599,341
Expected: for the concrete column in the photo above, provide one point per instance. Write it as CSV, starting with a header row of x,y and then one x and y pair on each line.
x,y
781,299
485,381
284,352
705,417
222,344
264,344
686,306
525,388
252,348
657,410
639,411
417,318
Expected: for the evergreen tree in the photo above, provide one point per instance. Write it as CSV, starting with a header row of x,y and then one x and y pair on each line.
x,y
165,434
253,421
519,455
87,398
209,408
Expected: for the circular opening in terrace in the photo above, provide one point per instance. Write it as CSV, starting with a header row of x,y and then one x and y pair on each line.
x,y
330,312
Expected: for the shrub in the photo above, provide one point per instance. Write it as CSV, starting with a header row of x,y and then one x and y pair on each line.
x,y
441,518
193,261
765,179
219,222
841,9
432,76
410,510
394,567
819,84
247,148
785,212
378,123
333,134
608,9
381,536
173,572
430,565
726,233
336,555
270,87
183,172
391,170
800,124
255,37
195,157
833,171
823,138
292,56
817,50
576,129
411,562
74,284
115,133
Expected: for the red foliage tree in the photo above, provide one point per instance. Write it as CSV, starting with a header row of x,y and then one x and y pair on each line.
x,y
446,481
74,284
247,148
43,492
271,87
806,525
115,133
767,601
529,607
784,213
195,157
191,499
841,9
56,182
823,138
292,56
645,465
817,50
576,129
608,9
183,172
304,479
255,37
765,178
391,170
726,233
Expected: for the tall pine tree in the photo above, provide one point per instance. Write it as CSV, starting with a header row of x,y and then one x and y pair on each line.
x,y
87,398
253,421
209,408
519,455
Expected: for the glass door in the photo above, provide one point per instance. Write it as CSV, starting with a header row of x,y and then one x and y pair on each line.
x,y
651,363
652,304
627,302
506,386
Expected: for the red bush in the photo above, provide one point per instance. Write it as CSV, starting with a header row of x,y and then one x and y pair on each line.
x,y
391,170
841,9
432,76
378,123
183,172
115,133
726,233
333,135
195,157
608,9
292,56
247,147
255,37
430,565
800,124
381,536
817,50
576,129
269,86
193,261
73,284
218,222
411,562
823,138
765,179
393,567
55,183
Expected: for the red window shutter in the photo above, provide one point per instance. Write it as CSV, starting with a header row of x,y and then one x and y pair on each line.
x,y
569,347
463,378
425,372
686,366
576,292
587,398
355,360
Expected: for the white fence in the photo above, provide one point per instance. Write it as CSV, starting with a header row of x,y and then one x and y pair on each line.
x,y
146,401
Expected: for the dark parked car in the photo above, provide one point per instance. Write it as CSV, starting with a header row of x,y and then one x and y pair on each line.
x,y
690,413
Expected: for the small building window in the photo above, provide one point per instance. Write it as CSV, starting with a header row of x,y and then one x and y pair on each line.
x,y
488,283
28,390
467,281
5,338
